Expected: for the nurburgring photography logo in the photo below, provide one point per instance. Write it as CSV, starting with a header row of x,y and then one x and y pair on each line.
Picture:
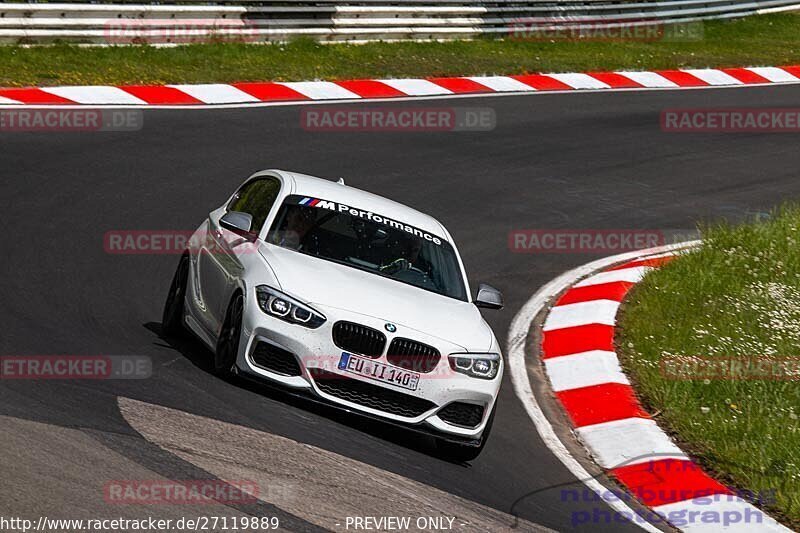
x,y
701,505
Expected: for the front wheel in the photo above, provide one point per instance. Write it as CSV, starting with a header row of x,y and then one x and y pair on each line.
x,y
172,317
461,452
228,342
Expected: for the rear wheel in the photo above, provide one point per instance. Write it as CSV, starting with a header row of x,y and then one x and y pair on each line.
x,y
172,318
228,342
462,452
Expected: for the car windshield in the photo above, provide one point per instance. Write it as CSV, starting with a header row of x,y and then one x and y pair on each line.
x,y
369,242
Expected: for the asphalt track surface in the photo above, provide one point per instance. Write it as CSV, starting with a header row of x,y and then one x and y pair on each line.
x,y
554,161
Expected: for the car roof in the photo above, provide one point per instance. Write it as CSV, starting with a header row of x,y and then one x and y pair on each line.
x,y
344,194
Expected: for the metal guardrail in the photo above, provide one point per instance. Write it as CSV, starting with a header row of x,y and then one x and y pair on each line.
x,y
176,21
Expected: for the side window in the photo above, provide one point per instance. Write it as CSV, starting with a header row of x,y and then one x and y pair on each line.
x,y
256,198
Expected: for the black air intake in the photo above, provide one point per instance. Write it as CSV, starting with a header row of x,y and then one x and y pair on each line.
x,y
462,414
270,357
368,395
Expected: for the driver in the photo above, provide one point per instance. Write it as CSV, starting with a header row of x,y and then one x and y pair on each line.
x,y
409,249
368,240
299,221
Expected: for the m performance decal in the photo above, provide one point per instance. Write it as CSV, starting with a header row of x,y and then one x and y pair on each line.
x,y
368,215
309,202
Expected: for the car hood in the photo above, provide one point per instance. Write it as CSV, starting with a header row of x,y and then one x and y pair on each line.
x,y
331,285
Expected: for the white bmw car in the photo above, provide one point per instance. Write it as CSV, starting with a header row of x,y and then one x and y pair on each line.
x,y
355,299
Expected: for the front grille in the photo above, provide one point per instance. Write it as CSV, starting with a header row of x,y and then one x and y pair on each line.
x,y
275,359
369,395
358,339
462,414
413,355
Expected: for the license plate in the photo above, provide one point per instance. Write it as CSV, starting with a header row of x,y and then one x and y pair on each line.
x,y
378,371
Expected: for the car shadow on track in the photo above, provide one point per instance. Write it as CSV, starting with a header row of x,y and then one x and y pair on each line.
x,y
202,358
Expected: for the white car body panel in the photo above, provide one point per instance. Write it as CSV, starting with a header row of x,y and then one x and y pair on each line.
x,y
323,283
223,262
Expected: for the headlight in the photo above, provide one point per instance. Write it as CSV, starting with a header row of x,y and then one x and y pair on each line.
x,y
280,305
476,365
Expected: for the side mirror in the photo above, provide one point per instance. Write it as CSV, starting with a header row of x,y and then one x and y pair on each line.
x,y
237,222
488,297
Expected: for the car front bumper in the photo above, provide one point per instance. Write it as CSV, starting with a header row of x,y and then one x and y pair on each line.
x,y
317,373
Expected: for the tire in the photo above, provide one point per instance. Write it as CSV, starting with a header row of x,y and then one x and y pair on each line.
x,y
463,453
228,342
172,318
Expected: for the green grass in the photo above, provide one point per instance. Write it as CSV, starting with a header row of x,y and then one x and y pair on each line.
x,y
755,41
736,297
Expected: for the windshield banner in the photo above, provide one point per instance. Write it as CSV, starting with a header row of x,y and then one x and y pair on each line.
x,y
367,215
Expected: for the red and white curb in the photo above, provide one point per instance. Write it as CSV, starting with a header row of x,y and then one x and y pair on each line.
x,y
315,91
577,351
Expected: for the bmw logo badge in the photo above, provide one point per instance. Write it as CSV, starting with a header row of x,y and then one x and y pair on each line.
x,y
391,328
